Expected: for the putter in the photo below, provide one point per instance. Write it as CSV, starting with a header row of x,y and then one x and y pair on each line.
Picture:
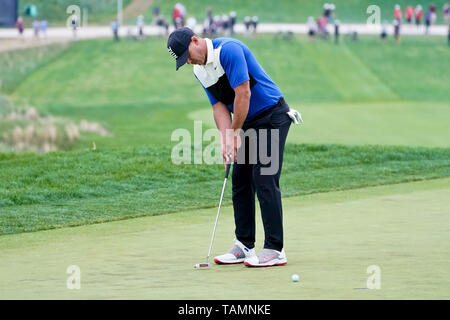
x,y
207,264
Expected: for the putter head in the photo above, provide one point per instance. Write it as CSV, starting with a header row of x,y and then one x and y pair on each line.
x,y
202,265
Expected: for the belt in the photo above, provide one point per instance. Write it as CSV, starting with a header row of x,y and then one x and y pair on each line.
x,y
268,110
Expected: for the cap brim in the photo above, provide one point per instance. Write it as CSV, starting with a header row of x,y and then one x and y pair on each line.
x,y
183,58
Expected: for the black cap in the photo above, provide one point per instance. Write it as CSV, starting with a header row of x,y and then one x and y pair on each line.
x,y
178,44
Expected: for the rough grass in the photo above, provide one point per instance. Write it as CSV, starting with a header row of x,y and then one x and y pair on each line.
x,y
66,189
17,65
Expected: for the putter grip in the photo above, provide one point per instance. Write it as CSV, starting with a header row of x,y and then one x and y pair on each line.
x,y
227,171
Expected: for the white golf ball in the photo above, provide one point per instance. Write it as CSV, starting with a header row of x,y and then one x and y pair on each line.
x,y
295,278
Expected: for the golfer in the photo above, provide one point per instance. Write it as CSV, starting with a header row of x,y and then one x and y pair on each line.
x,y
236,84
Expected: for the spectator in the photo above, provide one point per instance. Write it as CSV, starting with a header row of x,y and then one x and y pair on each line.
x,y
158,19
427,21
162,24
336,31
322,26
446,13
419,14
36,28
433,8
326,10
217,25
448,35
397,31
74,25
115,30
176,18
254,23
433,13
430,17
247,23
225,24
398,13
208,24
20,26
383,31
331,14
232,21
182,10
312,27
44,27
409,13
140,25
178,14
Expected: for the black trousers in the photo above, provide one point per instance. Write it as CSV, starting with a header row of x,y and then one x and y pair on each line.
x,y
256,174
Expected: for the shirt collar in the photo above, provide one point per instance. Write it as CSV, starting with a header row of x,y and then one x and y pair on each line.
x,y
210,47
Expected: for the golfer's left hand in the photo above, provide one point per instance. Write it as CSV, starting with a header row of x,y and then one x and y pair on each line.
x,y
295,116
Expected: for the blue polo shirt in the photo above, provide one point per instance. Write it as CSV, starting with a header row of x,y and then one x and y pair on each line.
x,y
229,64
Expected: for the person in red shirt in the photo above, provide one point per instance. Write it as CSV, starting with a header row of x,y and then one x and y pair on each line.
x,y
397,13
20,26
409,13
419,14
176,16
322,26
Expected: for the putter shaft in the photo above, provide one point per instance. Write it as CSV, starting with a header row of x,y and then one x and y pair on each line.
x,y
218,211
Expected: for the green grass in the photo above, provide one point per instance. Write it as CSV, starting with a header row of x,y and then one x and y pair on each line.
x,y
54,11
343,208
293,11
133,88
15,66
330,241
375,123
66,189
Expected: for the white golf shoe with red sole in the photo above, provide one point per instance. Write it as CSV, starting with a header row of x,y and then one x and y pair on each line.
x,y
237,254
267,258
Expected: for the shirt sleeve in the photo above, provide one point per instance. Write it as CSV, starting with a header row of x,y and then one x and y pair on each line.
x,y
233,61
211,98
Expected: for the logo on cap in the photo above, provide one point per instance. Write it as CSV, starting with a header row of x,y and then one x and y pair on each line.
x,y
173,54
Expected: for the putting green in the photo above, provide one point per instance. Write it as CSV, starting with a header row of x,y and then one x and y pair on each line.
x,y
331,239
386,123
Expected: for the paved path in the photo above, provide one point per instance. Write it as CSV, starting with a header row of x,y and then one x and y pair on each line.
x,y
105,31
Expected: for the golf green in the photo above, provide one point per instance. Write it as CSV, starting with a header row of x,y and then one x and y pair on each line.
x,y
331,239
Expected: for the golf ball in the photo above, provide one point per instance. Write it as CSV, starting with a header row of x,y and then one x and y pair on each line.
x,y
295,278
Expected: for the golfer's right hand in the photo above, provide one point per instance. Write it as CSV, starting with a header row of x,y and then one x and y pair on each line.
x,y
229,149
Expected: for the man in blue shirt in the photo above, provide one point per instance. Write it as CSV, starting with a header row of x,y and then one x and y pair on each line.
x,y
237,84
